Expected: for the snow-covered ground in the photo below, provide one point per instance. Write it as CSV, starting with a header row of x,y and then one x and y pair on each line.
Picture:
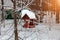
x,y
40,32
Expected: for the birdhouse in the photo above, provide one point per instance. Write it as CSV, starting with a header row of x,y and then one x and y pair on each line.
x,y
28,17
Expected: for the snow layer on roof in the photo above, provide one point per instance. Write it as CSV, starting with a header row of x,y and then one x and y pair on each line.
x,y
29,13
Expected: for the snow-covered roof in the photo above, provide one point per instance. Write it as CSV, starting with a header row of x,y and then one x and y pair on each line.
x,y
29,13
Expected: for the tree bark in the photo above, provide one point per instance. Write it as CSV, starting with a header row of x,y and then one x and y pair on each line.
x,y
57,17
2,10
12,0
2,15
15,21
0,30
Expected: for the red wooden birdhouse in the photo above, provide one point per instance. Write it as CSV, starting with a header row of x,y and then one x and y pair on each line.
x,y
28,17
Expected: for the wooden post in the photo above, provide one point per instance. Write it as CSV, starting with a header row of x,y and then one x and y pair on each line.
x,y
15,21
2,10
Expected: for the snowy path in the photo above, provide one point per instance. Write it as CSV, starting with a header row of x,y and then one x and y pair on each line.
x,y
40,32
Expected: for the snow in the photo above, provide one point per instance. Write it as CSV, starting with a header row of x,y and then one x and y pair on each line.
x,y
8,4
48,30
29,13
6,31
40,32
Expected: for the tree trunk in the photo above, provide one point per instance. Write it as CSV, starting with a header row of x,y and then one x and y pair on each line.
x,y
15,21
0,30
57,17
12,0
15,27
2,15
2,10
